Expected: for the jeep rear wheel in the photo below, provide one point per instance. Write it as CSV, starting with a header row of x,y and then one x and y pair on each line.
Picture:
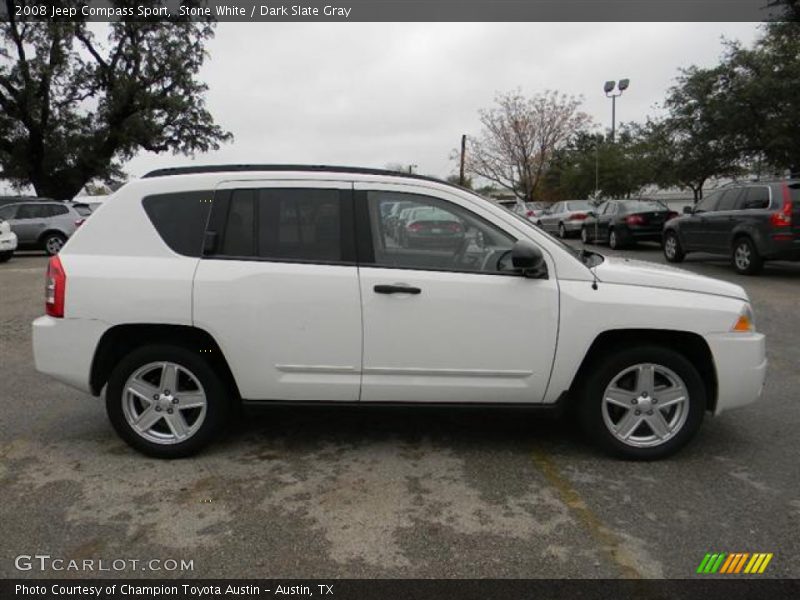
x,y
643,403
166,401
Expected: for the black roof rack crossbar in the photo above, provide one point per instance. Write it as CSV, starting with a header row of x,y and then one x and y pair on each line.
x,y
305,168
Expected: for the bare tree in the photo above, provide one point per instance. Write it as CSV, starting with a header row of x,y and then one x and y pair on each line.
x,y
520,136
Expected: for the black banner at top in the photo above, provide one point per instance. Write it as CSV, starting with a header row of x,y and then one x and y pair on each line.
x,y
400,10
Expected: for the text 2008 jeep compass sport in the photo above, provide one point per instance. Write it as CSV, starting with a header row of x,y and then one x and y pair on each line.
x,y
193,289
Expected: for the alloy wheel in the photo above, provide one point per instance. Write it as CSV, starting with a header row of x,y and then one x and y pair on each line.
x,y
645,405
670,246
742,256
53,244
164,403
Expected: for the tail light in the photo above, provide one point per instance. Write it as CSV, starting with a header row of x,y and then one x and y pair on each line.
x,y
634,220
783,217
79,222
55,286
414,227
528,213
671,215
454,227
578,216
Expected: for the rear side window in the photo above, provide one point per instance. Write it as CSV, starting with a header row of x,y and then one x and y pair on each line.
x,y
32,211
300,224
291,224
728,200
755,197
180,219
239,236
708,203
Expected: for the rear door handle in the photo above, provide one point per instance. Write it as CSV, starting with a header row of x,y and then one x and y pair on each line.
x,y
396,289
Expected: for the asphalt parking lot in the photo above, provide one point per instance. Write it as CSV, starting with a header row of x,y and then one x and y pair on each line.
x,y
398,492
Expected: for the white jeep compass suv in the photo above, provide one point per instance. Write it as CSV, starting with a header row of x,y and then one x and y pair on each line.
x,y
194,289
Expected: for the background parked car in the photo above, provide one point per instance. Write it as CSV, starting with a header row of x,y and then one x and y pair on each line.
x,y
624,222
750,222
531,210
8,241
429,226
565,218
42,225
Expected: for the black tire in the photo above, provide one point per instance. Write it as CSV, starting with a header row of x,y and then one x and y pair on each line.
x,y
745,257
6,256
607,368
585,237
52,240
218,400
614,241
562,231
673,252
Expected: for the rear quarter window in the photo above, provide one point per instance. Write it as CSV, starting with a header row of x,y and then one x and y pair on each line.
x,y
180,219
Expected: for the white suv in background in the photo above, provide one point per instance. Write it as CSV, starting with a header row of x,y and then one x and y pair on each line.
x,y
199,288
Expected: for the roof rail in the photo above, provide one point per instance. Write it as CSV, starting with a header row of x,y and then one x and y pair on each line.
x,y
306,168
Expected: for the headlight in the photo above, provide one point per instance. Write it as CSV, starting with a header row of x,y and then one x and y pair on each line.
x,y
746,322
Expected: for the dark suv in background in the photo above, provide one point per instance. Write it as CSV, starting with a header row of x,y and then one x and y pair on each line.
x,y
750,222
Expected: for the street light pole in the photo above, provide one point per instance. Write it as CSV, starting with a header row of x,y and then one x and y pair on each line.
x,y
608,88
463,152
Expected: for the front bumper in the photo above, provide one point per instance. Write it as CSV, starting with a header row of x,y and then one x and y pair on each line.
x,y
741,363
8,242
64,348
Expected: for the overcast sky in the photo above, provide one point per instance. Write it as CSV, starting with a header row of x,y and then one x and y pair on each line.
x,y
368,94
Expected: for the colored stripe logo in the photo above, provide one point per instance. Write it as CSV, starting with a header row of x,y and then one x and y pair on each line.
x,y
735,563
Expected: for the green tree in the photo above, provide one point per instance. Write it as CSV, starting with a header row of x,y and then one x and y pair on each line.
x,y
74,108
761,89
696,141
592,165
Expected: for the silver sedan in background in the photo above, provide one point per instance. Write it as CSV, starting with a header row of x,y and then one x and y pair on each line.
x,y
565,218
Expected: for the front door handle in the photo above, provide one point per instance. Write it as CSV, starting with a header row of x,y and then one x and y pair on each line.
x,y
396,289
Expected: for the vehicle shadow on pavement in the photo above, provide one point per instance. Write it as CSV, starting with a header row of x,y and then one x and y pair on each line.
x,y
489,428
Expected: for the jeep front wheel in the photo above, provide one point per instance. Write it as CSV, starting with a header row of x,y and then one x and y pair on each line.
x,y
643,403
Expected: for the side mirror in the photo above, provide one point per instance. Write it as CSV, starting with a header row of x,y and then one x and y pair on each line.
x,y
687,210
527,257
